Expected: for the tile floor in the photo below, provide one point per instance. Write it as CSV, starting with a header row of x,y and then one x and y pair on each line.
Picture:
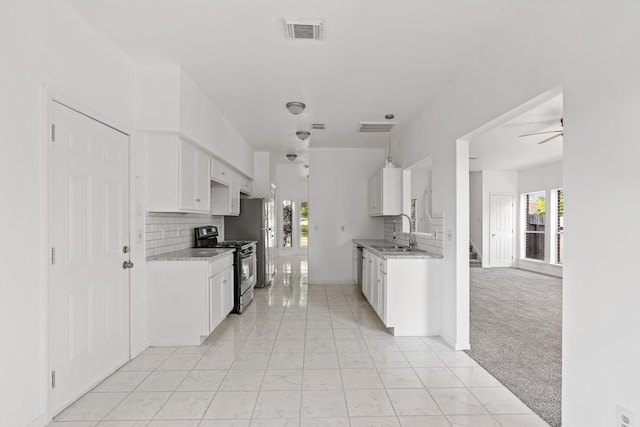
x,y
306,356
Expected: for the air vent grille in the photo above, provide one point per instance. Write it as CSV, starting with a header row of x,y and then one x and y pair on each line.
x,y
376,126
317,126
304,28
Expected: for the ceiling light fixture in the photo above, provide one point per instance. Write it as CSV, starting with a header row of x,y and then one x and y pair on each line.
x,y
389,162
295,107
303,134
292,157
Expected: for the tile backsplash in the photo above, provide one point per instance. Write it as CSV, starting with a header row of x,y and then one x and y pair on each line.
x,y
434,244
168,232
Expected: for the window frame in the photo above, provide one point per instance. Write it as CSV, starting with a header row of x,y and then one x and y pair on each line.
x,y
525,232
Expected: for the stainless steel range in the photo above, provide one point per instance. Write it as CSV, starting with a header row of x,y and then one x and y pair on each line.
x,y
244,263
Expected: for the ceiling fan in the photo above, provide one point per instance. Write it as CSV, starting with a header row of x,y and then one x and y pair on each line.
x,y
556,132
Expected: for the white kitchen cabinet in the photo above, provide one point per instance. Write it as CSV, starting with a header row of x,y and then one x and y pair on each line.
x,y
225,199
178,175
404,293
220,172
188,299
385,192
354,263
245,185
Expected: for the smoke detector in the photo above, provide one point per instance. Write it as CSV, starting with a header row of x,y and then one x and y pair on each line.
x,y
304,28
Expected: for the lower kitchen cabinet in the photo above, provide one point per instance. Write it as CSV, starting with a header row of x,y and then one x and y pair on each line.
x,y
404,293
188,299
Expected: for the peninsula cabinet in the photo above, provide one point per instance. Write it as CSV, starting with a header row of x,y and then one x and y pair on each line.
x,y
178,175
188,299
385,192
404,293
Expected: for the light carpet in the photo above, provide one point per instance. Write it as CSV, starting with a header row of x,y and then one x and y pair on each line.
x,y
516,334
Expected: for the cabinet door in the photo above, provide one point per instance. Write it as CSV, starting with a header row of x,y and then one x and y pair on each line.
x,y
215,300
382,298
188,171
202,182
220,172
365,274
234,196
227,291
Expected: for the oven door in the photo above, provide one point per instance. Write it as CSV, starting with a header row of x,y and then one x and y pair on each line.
x,y
247,270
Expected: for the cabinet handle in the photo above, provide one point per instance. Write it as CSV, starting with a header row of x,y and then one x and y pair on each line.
x,y
224,281
198,200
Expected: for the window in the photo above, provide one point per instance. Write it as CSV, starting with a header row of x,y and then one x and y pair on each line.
x,y
304,224
535,211
287,224
559,224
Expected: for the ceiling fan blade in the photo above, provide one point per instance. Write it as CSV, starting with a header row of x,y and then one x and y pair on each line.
x,y
540,133
544,141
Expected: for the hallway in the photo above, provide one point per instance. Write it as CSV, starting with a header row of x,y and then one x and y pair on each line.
x,y
301,355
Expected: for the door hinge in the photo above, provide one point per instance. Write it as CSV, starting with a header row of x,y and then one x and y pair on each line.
x,y
53,379
53,132
53,256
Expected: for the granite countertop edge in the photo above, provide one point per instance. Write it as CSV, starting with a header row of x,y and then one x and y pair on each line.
x,y
189,255
369,243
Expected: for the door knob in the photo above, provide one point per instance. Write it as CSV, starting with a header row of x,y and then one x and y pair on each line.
x,y
127,264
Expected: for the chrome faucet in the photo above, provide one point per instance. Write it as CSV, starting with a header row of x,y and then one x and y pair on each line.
x,y
412,240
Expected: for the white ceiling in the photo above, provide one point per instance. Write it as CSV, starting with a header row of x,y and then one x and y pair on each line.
x,y
502,148
377,58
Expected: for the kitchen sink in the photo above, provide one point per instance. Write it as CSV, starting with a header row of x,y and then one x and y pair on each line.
x,y
395,249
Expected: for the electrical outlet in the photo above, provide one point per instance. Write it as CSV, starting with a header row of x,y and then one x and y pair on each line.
x,y
625,418
342,228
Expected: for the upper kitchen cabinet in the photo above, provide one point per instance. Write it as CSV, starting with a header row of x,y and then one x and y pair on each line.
x,y
225,199
245,185
178,175
220,172
385,192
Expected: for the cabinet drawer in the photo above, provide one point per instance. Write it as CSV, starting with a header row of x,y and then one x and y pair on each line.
x,y
220,264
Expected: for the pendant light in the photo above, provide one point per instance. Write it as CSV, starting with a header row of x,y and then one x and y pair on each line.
x,y
389,162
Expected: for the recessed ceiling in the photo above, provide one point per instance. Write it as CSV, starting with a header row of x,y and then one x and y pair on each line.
x,y
374,57
503,148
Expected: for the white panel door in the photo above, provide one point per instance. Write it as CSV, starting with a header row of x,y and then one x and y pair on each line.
x,y
501,230
89,288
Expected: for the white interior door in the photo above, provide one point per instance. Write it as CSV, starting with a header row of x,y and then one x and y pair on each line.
x,y
501,229
89,288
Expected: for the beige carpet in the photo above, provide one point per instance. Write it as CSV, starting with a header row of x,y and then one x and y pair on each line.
x,y
516,334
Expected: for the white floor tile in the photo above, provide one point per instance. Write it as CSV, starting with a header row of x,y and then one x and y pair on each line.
x,y
278,404
366,378
185,405
374,422
242,380
317,404
203,380
457,401
122,381
400,378
139,406
530,420
424,421
232,405
282,380
473,421
363,403
162,381
499,400
321,360
324,422
286,361
438,378
413,402
91,407
321,379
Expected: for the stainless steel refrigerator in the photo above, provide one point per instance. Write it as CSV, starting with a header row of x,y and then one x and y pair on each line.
x,y
255,222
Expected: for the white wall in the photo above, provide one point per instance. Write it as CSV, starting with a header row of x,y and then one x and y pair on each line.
x,y
598,69
504,182
542,178
291,184
475,211
338,196
265,174
168,100
42,42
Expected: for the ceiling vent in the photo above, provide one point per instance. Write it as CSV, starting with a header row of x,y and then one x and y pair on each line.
x,y
304,28
376,126
317,126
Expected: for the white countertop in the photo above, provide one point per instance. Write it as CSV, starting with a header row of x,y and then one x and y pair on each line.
x,y
371,244
192,254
